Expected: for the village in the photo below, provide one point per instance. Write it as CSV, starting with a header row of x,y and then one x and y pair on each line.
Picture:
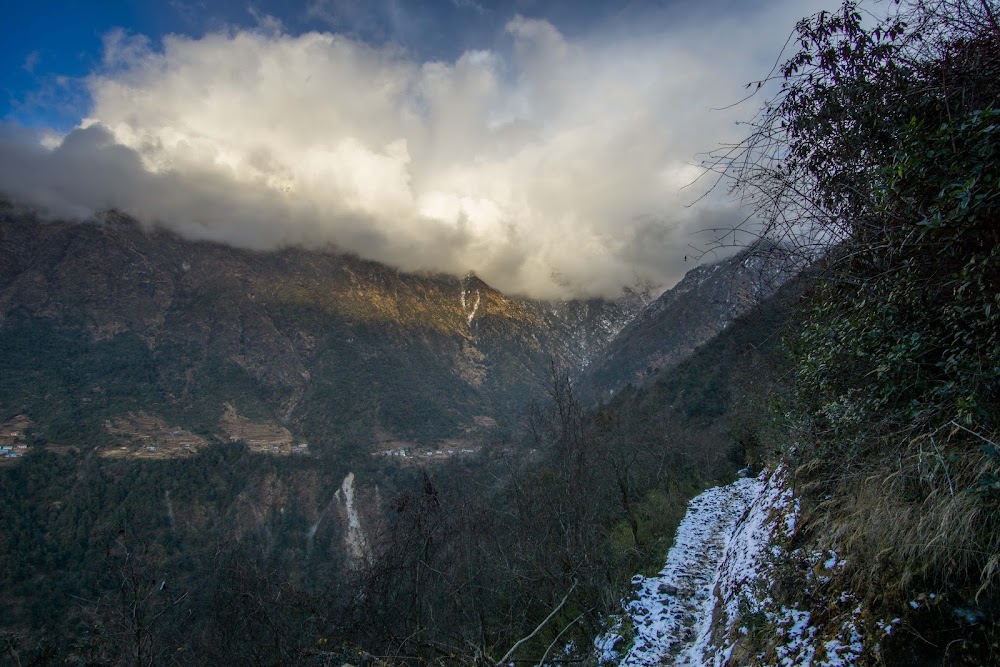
x,y
13,443
261,437
145,436
404,454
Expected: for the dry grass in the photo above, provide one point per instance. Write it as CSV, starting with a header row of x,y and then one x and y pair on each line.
x,y
914,517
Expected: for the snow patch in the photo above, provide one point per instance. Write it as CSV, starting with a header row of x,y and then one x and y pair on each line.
x,y
464,294
714,591
475,308
674,608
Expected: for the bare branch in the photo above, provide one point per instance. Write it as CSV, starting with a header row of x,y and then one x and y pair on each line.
x,y
523,640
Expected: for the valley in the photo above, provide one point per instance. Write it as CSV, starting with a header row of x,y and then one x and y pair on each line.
x,y
314,347
361,334
380,351
307,412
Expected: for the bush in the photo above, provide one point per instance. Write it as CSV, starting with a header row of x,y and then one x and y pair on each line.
x,y
879,158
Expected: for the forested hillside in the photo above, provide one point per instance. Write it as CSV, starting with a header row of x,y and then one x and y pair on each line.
x,y
880,153
459,557
685,317
107,319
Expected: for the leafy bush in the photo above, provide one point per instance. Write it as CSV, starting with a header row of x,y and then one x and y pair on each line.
x,y
879,155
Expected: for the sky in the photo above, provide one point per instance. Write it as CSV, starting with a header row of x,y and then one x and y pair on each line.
x,y
549,147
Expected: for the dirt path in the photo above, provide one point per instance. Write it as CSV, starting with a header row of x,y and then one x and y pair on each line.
x,y
674,608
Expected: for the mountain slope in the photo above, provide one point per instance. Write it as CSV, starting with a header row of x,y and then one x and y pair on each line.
x,y
673,609
694,311
587,326
106,318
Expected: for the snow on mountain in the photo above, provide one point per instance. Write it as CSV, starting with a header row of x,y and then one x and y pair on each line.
x,y
706,301
586,327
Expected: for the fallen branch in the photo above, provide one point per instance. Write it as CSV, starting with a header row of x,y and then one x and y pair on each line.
x,y
523,640
568,626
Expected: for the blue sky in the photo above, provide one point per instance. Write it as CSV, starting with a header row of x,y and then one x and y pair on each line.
x,y
545,145
46,41
50,45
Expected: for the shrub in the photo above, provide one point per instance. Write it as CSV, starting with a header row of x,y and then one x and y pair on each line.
x,y
879,158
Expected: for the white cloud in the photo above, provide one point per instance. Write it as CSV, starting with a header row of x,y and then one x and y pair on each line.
x,y
550,166
31,62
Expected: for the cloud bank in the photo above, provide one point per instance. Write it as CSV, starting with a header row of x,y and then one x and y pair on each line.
x,y
548,166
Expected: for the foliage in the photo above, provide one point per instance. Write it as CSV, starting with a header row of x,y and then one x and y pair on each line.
x,y
879,153
72,384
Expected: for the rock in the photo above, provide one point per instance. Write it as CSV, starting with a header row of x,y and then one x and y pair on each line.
x,y
667,589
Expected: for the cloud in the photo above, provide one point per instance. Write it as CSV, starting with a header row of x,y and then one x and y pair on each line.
x,y
31,62
469,4
266,23
548,165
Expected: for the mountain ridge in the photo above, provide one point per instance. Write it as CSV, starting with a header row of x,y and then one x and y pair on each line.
x,y
695,310
286,337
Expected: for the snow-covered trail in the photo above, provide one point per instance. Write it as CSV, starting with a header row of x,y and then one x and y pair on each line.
x,y
674,609
724,558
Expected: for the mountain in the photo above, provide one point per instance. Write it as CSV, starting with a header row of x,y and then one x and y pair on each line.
x,y
234,423
588,326
111,333
706,301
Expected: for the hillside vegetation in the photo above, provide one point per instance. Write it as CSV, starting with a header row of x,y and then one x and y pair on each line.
x,y
882,144
464,558
164,417
105,318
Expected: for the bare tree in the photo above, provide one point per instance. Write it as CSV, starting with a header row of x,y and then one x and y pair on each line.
x,y
142,611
